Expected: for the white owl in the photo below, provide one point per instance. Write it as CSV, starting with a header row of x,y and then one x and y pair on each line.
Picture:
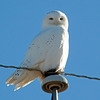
x,y
48,52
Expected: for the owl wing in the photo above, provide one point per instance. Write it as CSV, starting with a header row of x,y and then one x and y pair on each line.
x,y
35,56
36,53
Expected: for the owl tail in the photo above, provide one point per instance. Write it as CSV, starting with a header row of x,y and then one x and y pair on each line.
x,y
21,78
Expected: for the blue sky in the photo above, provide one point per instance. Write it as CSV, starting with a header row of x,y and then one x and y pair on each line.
x,y
21,20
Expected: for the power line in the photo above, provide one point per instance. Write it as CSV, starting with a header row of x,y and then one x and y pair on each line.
x,y
30,69
83,76
70,74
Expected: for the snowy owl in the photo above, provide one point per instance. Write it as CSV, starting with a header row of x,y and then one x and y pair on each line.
x,y
48,52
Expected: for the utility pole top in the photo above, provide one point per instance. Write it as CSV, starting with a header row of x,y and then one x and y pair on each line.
x,y
54,81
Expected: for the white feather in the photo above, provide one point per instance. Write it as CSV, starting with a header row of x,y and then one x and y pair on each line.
x,y
48,50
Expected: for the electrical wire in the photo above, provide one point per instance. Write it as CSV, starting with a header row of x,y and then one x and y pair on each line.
x,y
70,74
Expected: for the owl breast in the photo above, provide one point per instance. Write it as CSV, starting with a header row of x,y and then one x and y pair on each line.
x,y
58,47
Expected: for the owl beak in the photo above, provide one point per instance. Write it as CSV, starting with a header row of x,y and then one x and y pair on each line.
x,y
57,22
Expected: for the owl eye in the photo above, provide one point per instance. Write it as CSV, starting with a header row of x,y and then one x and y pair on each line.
x,y
61,18
50,18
